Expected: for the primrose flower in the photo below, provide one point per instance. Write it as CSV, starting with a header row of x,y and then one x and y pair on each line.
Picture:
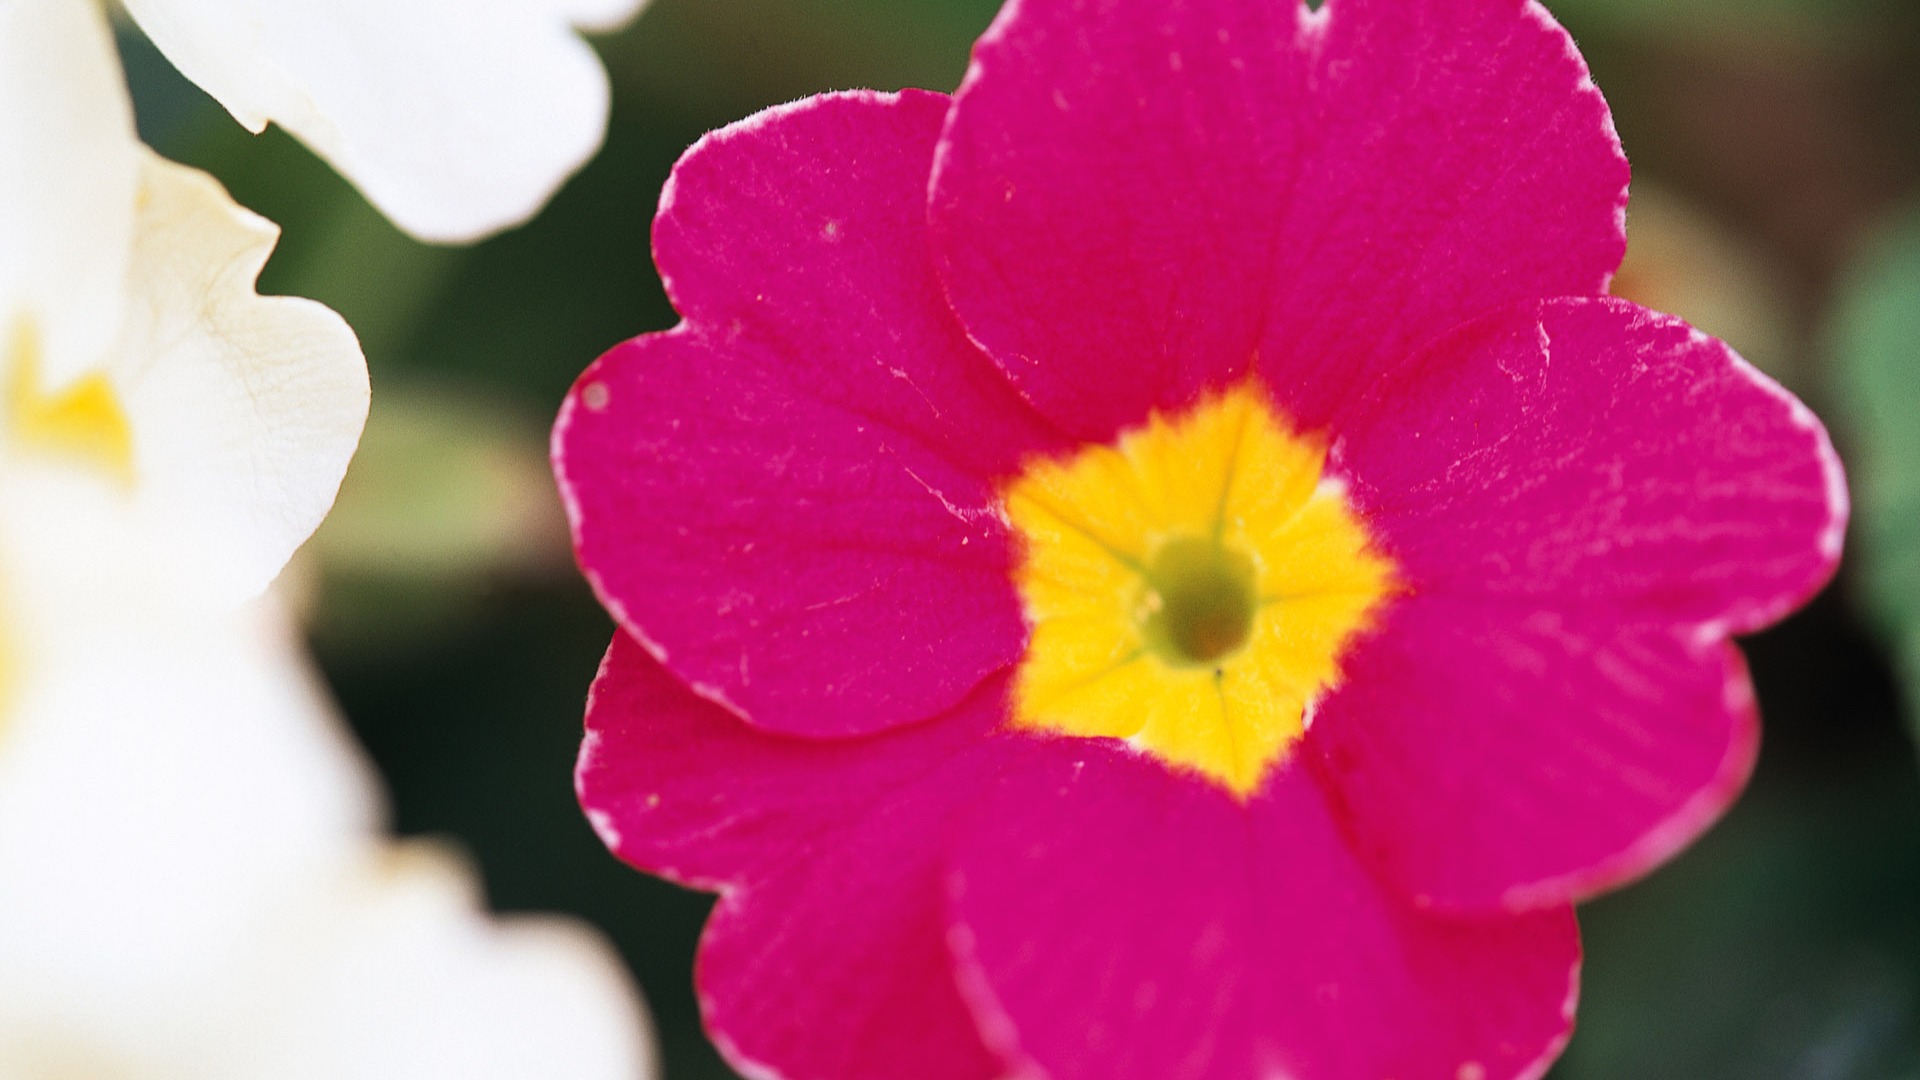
x,y
455,118
1167,563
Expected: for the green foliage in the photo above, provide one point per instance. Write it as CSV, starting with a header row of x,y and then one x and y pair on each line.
x,y
1722,16
1782,947
1876,350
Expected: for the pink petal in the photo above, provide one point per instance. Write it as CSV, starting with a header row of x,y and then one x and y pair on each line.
x,y
790,498
804,229
1590,456
839,970
825,959
1119,922
1135,200
1584,499
1487,756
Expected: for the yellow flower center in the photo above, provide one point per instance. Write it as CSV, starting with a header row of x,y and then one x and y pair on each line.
x,y
1191,588
83,422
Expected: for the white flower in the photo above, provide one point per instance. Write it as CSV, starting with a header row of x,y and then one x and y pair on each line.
x,y
193,879
456,118
148,396
192,888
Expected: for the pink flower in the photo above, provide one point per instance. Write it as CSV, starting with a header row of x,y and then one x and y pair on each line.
x,y
1166,564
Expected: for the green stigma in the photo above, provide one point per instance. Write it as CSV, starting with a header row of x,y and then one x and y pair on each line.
x,y
1200,602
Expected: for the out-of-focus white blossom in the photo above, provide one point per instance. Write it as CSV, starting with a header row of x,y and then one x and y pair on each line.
x,y
456,118
194,876
149,398
193,887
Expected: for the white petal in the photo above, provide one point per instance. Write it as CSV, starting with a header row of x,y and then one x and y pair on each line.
x,y
245,409
191,887
455,117
67,180
596,15
169,794
407,978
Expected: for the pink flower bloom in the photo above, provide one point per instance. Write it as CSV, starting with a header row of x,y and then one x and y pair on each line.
x,y
1166,564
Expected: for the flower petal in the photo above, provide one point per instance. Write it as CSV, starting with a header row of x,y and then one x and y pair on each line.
x,y
401,972
190,878
169,790
804,228
825,959
245,409
1116,921
1585,500
1134,201
456,118
838,970
790,497
67,182
597,16
1591,456
1491,756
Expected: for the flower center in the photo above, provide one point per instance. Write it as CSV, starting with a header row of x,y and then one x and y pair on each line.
x,y
1200,601
1190,587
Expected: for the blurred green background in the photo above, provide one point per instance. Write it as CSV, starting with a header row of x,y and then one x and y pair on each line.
x,y
1776,146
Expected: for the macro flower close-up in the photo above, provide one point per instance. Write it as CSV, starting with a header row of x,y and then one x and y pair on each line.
x,y
1167,562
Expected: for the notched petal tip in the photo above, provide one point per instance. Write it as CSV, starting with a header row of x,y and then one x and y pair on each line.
x,y
246,408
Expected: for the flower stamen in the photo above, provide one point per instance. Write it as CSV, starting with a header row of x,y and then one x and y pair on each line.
x,y
1201,602
1190,587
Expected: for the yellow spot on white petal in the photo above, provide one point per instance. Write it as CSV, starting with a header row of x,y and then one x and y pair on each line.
x,y
1191,587
82,422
